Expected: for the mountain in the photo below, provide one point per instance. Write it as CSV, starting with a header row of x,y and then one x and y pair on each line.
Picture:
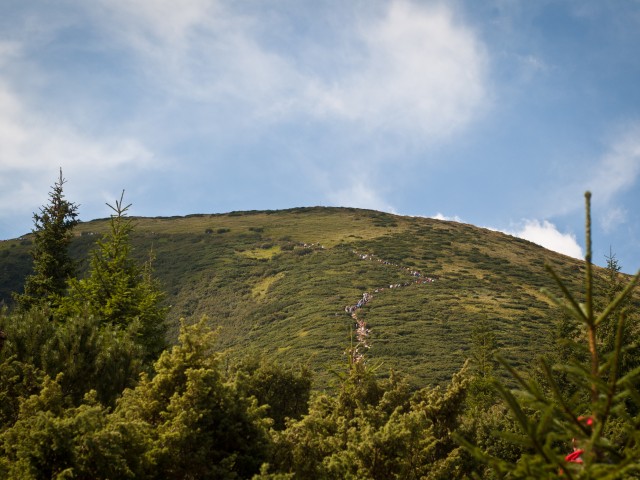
x,y
277,284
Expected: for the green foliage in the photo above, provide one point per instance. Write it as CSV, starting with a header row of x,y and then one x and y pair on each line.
x,y
119,291
88,354
54,440
612,286
197,425
491,429
484,347
52,265
92,356
73,404
50,440
278,282
299,313
185,422
376,430
284,391
602,427
27,332
18,380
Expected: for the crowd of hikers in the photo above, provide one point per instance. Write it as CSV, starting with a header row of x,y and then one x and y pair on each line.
x,y
362,331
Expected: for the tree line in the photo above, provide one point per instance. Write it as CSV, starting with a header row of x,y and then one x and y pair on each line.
x,y
90,389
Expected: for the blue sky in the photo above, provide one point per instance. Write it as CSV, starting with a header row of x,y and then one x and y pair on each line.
x,y
498,113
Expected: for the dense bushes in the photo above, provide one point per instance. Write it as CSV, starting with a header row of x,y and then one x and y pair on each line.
x,y
184,421
190,417
88,389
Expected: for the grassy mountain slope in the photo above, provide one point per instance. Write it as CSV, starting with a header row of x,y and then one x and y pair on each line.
x,y
277,283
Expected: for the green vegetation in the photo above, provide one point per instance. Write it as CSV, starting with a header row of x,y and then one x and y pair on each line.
x,y
270,376
270,293
52,265
119,291
595,407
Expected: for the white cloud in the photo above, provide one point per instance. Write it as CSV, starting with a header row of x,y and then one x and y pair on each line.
x,y
615,173
202,50
547,235
531,67
8,50
419,72
403,67
534,63
413,69
33,147
164,21
440,216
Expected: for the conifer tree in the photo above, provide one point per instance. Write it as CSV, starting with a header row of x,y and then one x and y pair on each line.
x,y
590,434
184,422
120,291
613,285
284,390
483,347
195,424
52,265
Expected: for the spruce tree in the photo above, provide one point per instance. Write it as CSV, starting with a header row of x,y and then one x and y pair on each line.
x,y
52,265
592,433
613,284
483,347
194,423
119,291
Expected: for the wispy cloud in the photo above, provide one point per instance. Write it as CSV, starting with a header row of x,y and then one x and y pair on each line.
x,y
615,173
33,146
417,71
198,69
607,176
619,168
359,194
410,68
612,217
403,71
198,49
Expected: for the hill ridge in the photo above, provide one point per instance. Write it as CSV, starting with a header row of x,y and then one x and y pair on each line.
x,y
256,276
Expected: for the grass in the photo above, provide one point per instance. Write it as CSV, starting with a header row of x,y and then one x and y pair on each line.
x,y
277,282
260,290
263,253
